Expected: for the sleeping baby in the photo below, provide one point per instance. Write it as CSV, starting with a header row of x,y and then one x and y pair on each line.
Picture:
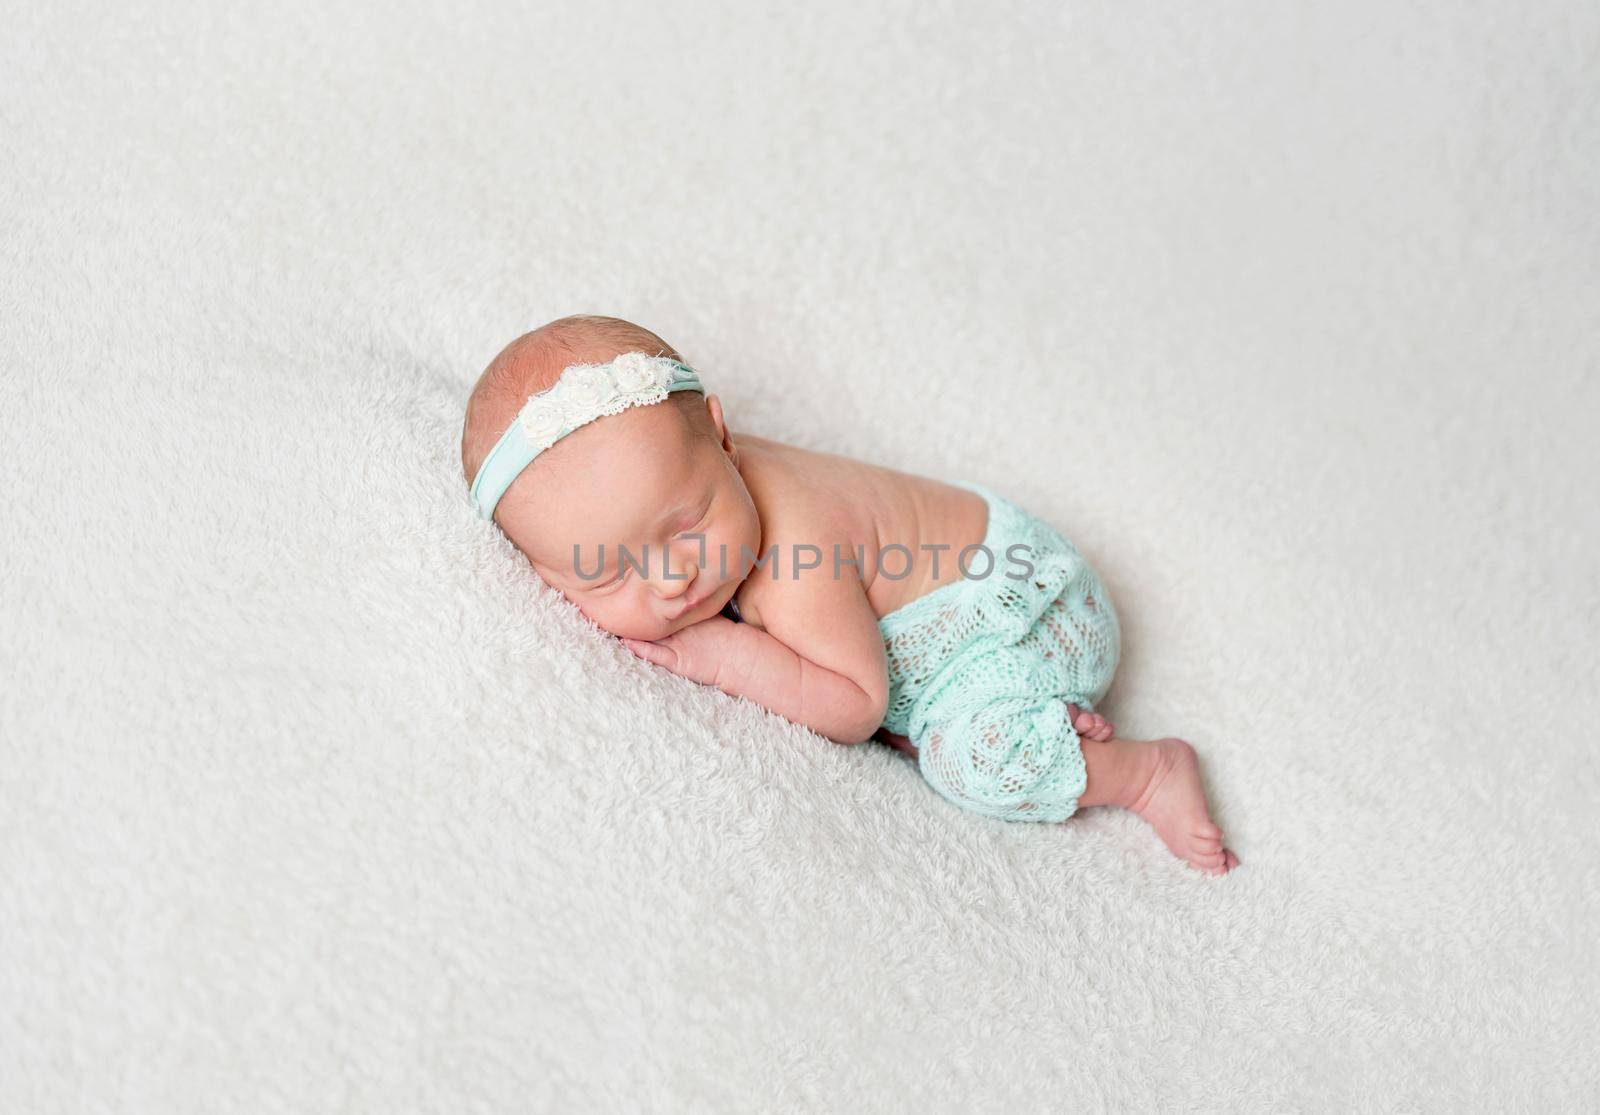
x,y
865,603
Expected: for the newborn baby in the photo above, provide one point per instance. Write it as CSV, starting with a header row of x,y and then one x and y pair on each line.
x,y
862,602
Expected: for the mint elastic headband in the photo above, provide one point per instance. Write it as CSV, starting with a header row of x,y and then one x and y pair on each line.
x,y
583,393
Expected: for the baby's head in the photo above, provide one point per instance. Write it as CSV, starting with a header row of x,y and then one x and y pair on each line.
x,y
642,478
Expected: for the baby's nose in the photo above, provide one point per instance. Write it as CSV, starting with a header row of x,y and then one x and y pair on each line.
x,y
676,577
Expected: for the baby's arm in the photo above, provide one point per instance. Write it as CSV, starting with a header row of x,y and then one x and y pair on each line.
x,y
819,663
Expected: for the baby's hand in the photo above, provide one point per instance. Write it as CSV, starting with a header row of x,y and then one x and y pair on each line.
x,y
1090,724
698,652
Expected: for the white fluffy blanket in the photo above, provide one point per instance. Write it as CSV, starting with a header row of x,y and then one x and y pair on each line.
x,y
313,798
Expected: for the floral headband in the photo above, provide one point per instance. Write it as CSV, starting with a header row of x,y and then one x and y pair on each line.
x,y
583,393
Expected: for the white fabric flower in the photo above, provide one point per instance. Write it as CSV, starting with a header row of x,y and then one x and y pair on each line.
x,y
587,393
634,376
543,419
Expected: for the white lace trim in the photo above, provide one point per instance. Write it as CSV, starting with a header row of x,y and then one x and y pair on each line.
x,y
589,391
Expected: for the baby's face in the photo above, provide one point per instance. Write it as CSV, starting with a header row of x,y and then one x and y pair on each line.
x,y
644,480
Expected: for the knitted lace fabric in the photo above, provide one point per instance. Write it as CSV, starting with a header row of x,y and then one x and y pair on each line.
x,y
980,670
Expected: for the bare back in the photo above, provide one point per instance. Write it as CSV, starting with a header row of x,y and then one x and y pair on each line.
x,y
822,499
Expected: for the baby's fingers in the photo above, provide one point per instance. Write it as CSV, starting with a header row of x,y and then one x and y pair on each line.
x,y
652,652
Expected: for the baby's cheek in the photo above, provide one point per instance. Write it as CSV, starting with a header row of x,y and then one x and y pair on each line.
x,y
723,556
715,561
622,615
601,611
587,607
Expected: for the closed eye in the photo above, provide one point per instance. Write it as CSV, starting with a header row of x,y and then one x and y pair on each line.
x,y
612,582
701,521
626,567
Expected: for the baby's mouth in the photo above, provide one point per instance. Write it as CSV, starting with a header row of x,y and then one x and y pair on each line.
x,y
693,603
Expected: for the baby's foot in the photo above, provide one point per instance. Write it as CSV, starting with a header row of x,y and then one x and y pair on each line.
x,y
1175,805
1090,724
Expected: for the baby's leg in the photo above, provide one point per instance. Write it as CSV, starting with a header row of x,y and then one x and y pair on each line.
x,y
1159,780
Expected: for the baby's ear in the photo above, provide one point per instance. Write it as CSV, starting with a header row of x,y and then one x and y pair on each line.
x,y
714,407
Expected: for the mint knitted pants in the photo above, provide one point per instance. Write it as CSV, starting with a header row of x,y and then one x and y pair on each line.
x,y
980,670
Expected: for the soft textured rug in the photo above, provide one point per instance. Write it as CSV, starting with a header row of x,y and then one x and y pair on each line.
x,y
313,798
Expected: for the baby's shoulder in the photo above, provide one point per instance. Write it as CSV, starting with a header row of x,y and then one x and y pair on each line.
x,y
803,497
808,520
